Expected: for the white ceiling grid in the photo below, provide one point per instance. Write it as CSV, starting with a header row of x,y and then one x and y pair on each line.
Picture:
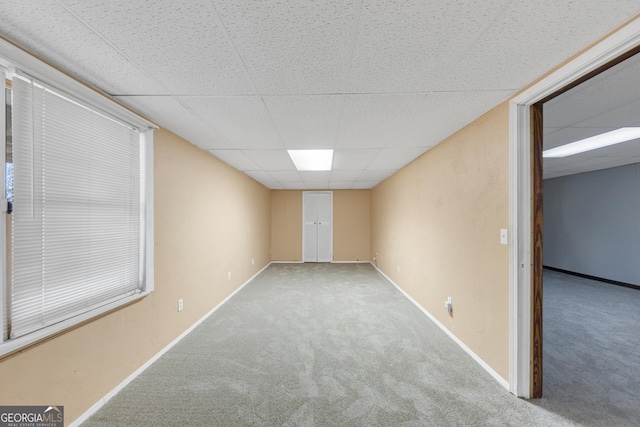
x,y
379,81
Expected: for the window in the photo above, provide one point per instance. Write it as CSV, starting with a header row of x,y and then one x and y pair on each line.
x,y
80,181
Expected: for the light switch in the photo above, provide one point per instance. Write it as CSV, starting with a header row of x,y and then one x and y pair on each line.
x,y
504,236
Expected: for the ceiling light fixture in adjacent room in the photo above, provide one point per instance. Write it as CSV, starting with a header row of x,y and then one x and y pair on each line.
x,y
312,160
594,142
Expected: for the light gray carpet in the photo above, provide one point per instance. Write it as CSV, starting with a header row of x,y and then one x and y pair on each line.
x,y
318,345
591,344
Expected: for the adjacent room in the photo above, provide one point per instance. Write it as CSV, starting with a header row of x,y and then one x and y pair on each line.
x,y
591,246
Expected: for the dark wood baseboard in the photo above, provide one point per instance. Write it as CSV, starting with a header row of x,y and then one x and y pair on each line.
x,y
599,279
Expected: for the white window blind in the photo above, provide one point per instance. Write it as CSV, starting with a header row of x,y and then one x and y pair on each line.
x,y
3,194
78,212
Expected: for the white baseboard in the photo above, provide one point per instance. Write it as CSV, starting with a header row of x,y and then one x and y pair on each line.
x,y
358,261
504,383
355,261
141,369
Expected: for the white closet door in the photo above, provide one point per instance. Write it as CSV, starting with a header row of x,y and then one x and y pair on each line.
x,y
324,227
317,232
310,218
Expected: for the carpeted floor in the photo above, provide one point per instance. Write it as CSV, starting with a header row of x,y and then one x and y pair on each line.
x,y
591,345
318,345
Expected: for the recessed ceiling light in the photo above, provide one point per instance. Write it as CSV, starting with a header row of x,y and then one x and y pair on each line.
x,y
594,142
312,160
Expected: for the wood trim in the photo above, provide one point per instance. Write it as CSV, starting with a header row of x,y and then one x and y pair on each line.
x,y
536,249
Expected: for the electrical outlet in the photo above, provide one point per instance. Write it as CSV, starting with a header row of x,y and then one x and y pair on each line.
x,y
253,261
229,276
398,268
180,304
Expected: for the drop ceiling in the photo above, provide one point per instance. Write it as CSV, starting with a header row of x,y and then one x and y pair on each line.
x,y
380,82
608,101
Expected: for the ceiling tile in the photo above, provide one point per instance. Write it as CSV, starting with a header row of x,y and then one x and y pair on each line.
x,y
625,115
295,47
316,185
340,185
171,114
242,119
315,176
345,175
309,121
370,121
431,120
404,47
236,159
295,185
598,96
48,30
550,130
523,42
286,176
181,44
271,160
354,159
364,185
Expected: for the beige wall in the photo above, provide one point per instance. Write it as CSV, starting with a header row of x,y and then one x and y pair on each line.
x,y
286,225
436,227
209,220
351,225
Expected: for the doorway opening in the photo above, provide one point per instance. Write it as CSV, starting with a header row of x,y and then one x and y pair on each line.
x,y
526,260
590,241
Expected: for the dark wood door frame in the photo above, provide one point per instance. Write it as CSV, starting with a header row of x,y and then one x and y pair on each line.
x,y
537,130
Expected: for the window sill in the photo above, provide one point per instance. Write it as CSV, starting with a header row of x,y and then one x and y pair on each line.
x,y
13,346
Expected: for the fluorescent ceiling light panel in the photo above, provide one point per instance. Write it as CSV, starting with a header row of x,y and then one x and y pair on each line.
x,y
594,142
312,160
